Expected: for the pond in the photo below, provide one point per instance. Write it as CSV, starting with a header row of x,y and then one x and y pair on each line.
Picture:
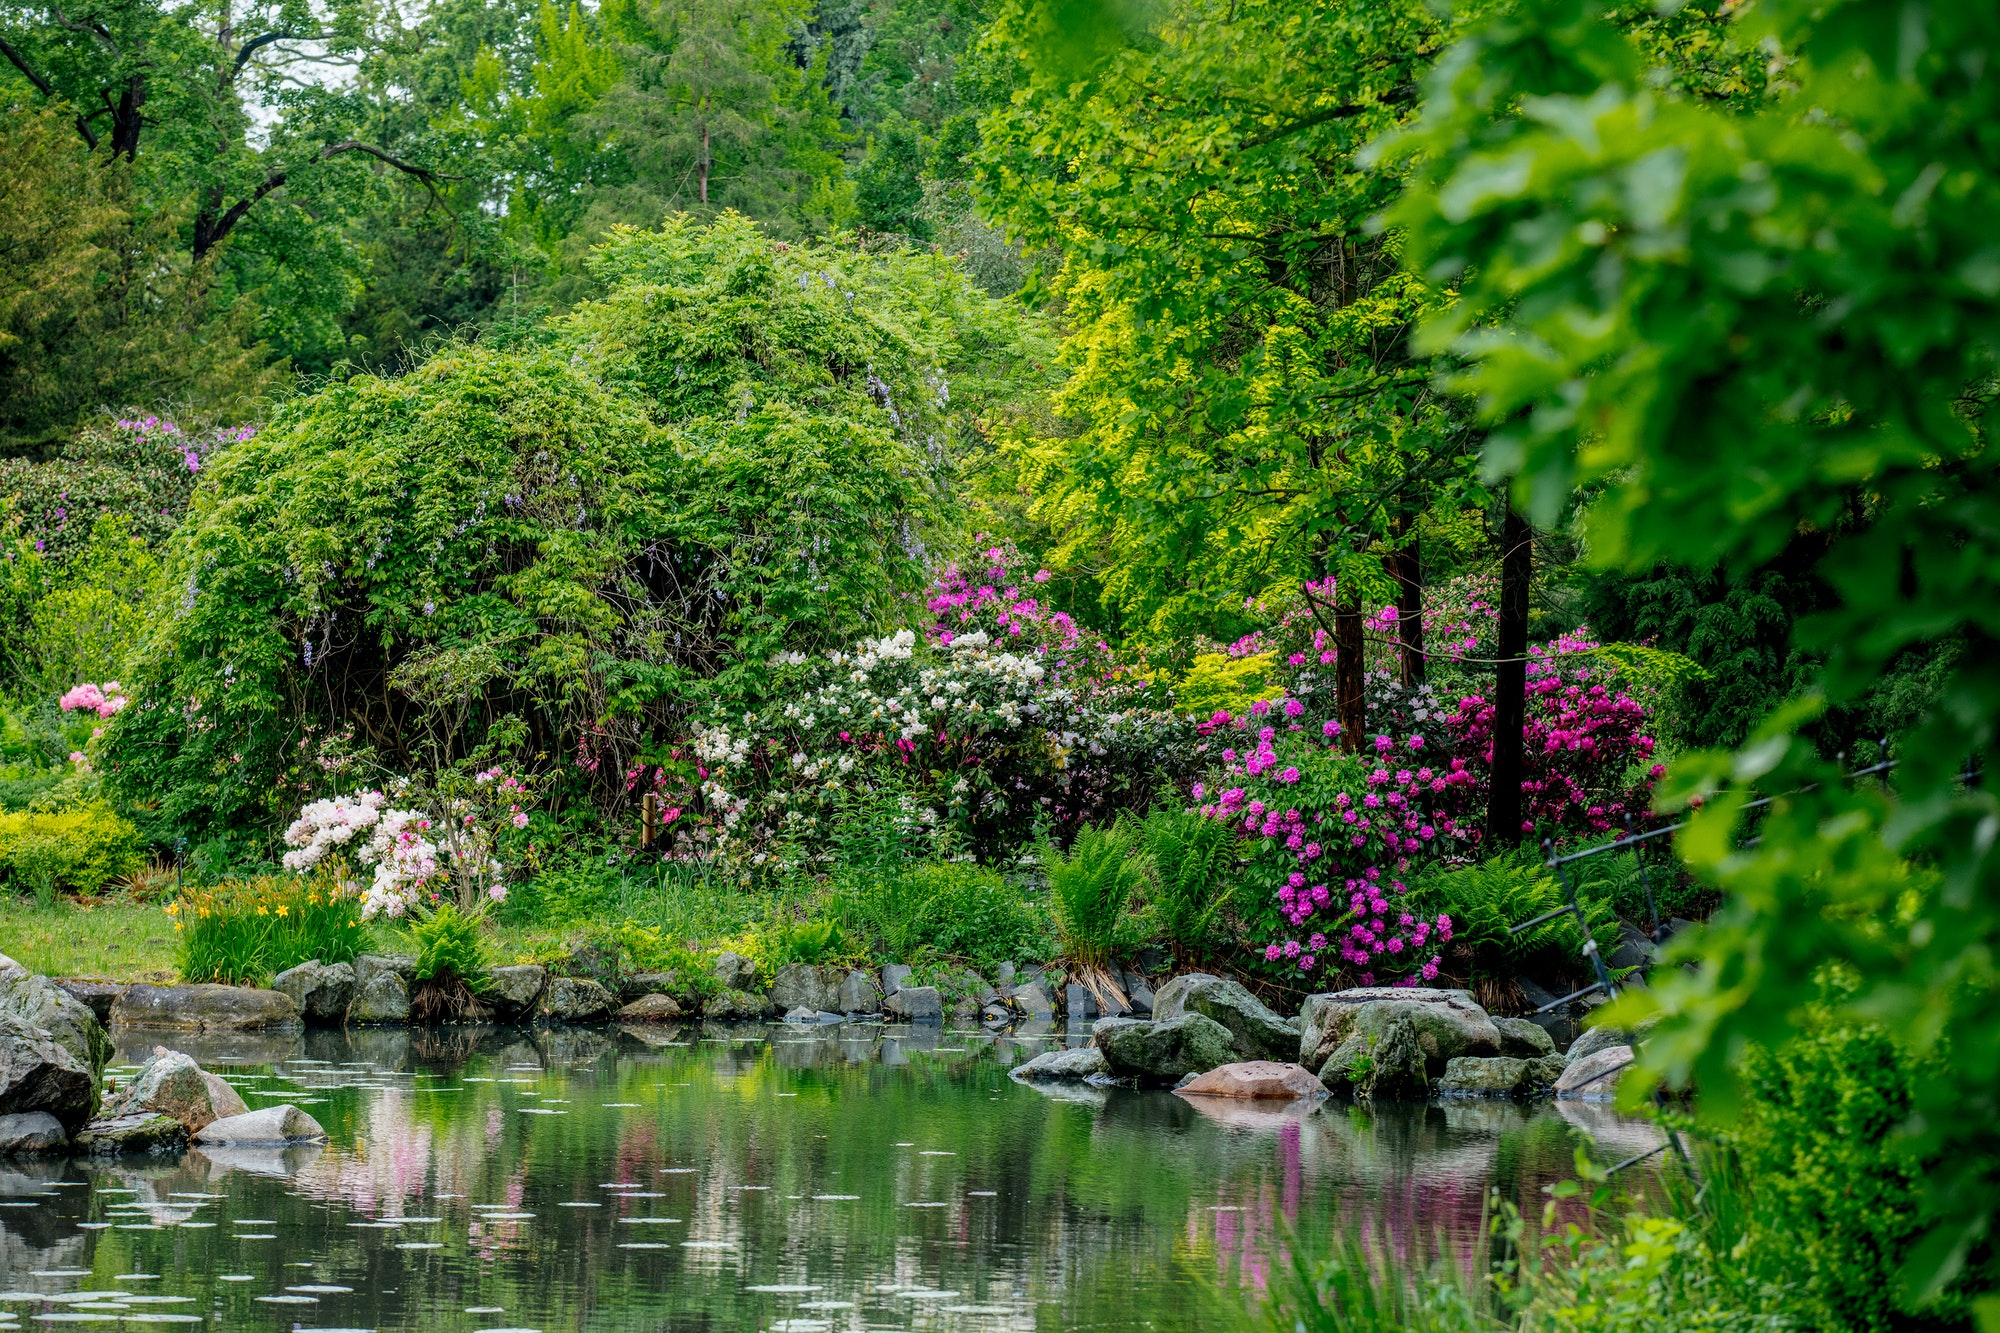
x,y
846,1178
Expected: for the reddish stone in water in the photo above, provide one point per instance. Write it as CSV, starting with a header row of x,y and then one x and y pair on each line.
x,y
1263,1079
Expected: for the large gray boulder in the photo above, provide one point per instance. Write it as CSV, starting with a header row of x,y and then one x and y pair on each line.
x,y
1473,1076
860,993
915,1004
1258,1032
382,988
42,1003
1255,1080
205,1008
1447,1023
511,992
734,971
322,991
1164,1050
1522,1039
173,1084
803,986
1595,1077
1062,1066
264,1127
31,1134
1397,1068
142,1133
1033,1003
38,1073
736,1006
637,985
575,1000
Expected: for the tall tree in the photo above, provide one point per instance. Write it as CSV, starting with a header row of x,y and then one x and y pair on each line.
x,y
1250,415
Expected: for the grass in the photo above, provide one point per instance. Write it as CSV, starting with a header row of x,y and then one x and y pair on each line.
x,y
117,939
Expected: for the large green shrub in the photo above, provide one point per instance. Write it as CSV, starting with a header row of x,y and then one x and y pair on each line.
x,y
79,850
1835,1180
742,449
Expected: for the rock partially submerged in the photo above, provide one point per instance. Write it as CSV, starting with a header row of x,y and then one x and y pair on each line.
x,y
651,1009
205,1008
1341,1028
382,988
736,1006
1158,1051
915,1004
172,1084
93,993
803,986
1256,1031
1499,1075
142,1133
1062,1066
322,991
511,992
1595,1077
268,1126
860,993
31,1134
1261,1080
43,1004
575,1000
38,1073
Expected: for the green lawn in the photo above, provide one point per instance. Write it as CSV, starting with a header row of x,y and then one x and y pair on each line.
x,y
117,939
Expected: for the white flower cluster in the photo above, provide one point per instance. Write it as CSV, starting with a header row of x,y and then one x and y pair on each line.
x,y
395,845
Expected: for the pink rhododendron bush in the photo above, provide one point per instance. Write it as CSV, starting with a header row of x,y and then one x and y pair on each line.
x,y
1001,715
1330,838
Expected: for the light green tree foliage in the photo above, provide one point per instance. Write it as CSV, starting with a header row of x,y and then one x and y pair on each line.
x,y
745,449
86,627
1250,415
1743,320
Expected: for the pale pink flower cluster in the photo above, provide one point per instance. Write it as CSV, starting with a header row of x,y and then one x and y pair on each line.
x,y
393,841
104,700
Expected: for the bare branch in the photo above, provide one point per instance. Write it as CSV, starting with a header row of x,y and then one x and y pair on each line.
x,y
211,230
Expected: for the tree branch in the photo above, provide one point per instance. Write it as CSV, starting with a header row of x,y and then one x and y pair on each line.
x,y
210,231
43,86
250,48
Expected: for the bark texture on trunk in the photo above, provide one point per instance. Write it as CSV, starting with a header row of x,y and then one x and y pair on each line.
x,y
1510,690
1406,567
1348,662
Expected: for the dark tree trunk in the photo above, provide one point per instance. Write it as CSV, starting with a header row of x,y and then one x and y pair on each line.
x,y
1348,661
1406,566
1510,690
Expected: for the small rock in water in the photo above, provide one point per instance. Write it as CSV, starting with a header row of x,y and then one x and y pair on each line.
x,y
270,1126
31,1134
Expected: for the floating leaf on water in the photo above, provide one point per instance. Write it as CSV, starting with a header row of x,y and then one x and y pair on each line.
x,y
801,1326
318,1289
137,1277
579,1203
391,1226
288,1300
836,1197
256,1221
982,1194
255,1235
826,1305
708,1244
643,1245
620,1103
64,1272
677,1170
933,1152
235,1277
642,1221
412,1221
420,1245
927,1205
102,1226
69,1317
978,1309
540,1110
158,1300
505,1217
197,1226
926,1295
486,1309
783,1289
163,1318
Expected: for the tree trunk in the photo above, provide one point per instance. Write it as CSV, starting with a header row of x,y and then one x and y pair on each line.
x,y
704,160
1407,568
1348,662
1510,690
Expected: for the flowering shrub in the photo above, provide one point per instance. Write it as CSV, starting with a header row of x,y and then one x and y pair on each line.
x,y
1581,741
416,858
1002,714
104,700
1323,828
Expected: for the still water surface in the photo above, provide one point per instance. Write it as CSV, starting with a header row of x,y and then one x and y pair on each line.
x,y
744,1179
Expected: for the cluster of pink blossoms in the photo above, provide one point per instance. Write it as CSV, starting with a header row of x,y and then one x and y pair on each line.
x,y
1378,935
104,700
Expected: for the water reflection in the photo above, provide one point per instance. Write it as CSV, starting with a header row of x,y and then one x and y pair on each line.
x,y
736,1178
